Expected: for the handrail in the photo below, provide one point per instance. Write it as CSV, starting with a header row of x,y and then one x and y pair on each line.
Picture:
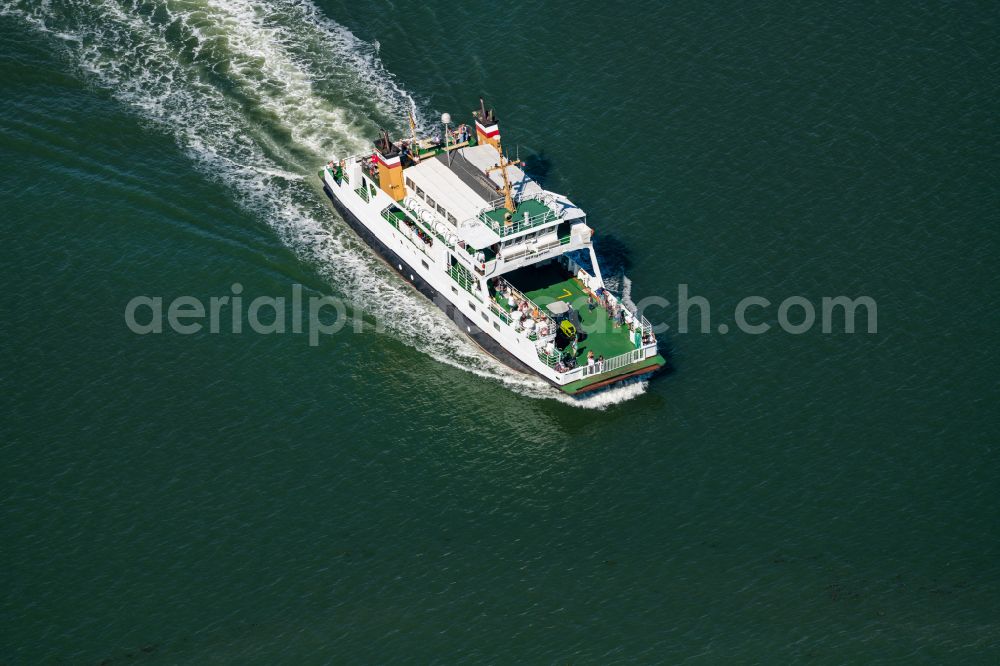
x,y
333,174
501,314
465,280
525,250
551,360
517,224
611,364
549,322
408,233
640,322
495,203
391,219
615,362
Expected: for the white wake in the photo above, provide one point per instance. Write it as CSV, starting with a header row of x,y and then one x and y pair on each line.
x,y
220,76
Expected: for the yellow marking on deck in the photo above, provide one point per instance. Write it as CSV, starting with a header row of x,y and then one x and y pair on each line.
x,y
566,294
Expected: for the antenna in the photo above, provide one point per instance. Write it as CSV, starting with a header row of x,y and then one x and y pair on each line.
x,y
385,143
446,119
414,146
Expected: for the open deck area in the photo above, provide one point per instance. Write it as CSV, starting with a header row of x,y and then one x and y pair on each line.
x,y
619,346
546,284
538,213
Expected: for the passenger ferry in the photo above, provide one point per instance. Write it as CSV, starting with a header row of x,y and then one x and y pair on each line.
x,y
510,262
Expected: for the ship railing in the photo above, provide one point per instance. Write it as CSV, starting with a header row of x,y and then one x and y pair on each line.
x,y
529,251
372,173
548,359
500,313
614,363
546,198
546,321
610,364
635,320
461,275
390,218
551,360
517,224
409,229
338,173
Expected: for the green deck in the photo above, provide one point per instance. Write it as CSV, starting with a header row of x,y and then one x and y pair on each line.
x,y
546,284
532,207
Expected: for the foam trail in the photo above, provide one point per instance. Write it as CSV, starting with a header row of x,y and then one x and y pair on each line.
x,y
232,80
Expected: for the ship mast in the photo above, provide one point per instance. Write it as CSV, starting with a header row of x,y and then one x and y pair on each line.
x,y
508,200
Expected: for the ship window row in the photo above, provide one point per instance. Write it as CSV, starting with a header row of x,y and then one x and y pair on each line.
x,y
430,202
521,239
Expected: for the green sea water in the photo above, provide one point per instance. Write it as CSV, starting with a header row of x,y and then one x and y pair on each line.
x,y
394,496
